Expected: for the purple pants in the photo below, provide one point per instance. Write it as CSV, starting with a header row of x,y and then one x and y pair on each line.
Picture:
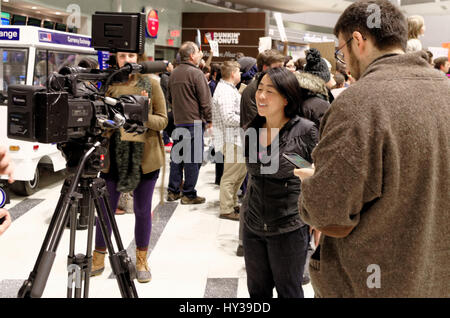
x,y
142,201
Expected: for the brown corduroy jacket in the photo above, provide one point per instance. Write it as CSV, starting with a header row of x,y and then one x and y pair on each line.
x,y
380,192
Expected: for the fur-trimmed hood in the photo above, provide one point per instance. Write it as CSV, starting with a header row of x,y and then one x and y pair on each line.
x,y
314,84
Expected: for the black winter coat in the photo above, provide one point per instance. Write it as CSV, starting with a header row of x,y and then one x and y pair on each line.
x,y
270,204
314,108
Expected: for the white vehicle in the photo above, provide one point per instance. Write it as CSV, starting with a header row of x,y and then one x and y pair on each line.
x,y
28,53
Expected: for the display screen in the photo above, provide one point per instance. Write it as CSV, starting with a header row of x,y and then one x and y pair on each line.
x,y
72,30
49,24
19,20
34,22
61,27
6,17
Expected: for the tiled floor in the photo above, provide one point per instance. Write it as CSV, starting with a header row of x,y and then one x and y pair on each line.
x,y
193,252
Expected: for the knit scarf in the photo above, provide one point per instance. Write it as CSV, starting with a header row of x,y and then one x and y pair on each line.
x,y
128,154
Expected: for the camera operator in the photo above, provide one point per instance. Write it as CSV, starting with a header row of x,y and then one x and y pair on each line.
x,y
133,164
5,168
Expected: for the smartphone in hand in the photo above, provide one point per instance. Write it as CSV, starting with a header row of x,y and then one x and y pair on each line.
x,y
297,160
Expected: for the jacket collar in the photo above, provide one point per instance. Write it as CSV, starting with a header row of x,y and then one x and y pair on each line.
x,y
227,83
418,58
189,63
259,121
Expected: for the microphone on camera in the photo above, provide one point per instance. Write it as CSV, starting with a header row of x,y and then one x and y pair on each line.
x,y
146,67
153,67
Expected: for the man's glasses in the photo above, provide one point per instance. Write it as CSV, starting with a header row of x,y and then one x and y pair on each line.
x,y
340,55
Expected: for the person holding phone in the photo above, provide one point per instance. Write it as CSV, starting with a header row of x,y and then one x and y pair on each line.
x,y
275,239
6,167
379,192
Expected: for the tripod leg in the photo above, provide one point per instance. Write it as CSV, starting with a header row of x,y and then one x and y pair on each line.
x,y
79,266
35,284
71,262
120,262
88,267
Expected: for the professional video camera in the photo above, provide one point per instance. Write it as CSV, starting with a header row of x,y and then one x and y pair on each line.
x,y
73,113
69,108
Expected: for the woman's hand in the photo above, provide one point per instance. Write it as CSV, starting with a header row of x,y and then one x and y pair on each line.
x,y
304,173
144,93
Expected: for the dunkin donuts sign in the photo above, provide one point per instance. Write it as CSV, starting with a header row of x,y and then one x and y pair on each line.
x,y
223,37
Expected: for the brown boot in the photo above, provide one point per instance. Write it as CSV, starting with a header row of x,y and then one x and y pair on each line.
x,y
98,263
142,270
196,200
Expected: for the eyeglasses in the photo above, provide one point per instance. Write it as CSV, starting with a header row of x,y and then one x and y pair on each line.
x,y
340,55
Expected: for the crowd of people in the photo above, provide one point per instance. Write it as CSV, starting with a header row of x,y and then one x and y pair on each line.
x,y
375,126
360,141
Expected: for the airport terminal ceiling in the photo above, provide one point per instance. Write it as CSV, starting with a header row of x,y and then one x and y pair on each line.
x,y
428,7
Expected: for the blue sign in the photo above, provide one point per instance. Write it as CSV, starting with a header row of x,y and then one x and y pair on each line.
x,y
64,39
103,57
9,34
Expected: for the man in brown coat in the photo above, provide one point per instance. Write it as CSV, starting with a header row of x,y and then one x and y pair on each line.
x,y
380,189
190,97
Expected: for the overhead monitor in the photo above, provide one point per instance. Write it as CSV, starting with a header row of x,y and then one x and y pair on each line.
x,y
19,20
6,18
72,30
34,22
61,27
49,25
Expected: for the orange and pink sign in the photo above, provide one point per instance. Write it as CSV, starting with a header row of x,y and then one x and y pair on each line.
x,y
152,23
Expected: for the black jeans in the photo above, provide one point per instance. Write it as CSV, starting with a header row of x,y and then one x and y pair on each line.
x,y
275,261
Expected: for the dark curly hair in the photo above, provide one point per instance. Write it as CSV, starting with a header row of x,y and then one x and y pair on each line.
x,y
287,85
391,33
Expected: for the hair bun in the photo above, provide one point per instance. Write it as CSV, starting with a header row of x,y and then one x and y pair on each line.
x,y
313,56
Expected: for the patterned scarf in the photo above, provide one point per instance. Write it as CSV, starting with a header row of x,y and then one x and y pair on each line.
x,y
128,154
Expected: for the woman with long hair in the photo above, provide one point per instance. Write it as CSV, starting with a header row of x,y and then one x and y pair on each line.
x,y
133,164
275,239
416,28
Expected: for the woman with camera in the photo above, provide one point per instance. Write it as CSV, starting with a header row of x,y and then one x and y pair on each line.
x,y
133,164
275,239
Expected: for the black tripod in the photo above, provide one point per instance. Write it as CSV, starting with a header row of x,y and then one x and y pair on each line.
x,y
81,192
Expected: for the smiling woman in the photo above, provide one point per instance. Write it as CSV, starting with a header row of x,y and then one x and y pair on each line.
x,y
278,97
275,239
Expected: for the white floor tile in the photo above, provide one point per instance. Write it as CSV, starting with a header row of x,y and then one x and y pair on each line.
x,y
194,246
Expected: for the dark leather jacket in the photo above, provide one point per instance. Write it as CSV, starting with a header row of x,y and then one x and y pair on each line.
x,y
270,204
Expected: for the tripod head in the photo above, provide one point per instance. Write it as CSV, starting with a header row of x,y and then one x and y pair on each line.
x,y
75,150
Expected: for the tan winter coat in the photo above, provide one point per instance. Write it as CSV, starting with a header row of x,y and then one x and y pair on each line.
x,y
153,156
